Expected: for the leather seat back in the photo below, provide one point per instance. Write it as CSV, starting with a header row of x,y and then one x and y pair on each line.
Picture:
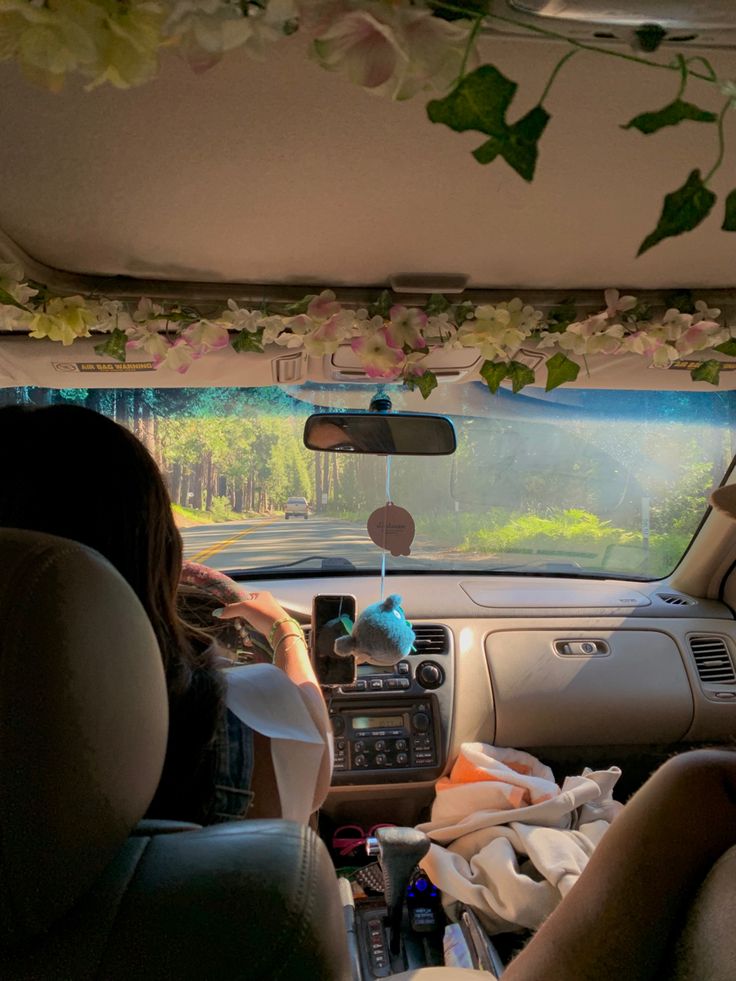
x,y
83,699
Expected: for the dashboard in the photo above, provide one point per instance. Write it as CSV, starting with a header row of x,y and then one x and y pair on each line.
x,y
568,669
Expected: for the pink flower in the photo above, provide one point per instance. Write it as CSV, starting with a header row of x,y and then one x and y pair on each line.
x,y
178,356
376,355
323,306
206,335
406,326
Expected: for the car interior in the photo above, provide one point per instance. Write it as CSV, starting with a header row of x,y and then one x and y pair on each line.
x,y
569,579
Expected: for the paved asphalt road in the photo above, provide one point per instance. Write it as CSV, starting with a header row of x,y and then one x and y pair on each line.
x,y
272,541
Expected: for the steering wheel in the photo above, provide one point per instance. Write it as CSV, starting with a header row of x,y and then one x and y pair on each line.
x,y
202,590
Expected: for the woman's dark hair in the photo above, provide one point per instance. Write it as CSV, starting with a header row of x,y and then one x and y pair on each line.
x,y
74,473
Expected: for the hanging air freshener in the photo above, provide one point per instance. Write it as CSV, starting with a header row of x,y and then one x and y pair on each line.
x,y
392,528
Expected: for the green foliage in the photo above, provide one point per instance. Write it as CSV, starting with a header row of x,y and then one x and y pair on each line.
x,y
683,210
728,347
9,301
426,383
520,375
560,369
437,303
493,372
221,509
246,341
708,371
729,217
672,114
480,102
560,317
114,346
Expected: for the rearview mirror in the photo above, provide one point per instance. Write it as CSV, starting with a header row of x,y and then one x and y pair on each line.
x,y
401,433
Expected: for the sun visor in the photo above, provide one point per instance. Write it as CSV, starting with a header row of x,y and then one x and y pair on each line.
x,y
25,361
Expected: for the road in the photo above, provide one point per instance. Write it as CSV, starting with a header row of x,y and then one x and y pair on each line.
x,y
272,541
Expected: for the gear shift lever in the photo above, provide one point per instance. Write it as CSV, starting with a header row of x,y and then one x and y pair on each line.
x,y
399,850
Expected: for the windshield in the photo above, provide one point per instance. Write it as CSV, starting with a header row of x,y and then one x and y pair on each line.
x,y
574,482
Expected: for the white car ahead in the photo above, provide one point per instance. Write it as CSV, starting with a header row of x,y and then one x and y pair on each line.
x,y
296,507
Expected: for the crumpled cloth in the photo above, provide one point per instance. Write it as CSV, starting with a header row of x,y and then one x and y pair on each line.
x,y
507,840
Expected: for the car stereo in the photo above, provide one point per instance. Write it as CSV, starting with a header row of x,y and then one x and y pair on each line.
x,y
385,736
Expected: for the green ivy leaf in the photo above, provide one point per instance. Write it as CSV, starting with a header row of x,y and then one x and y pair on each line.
x,y
245,341
682,300
520,375
480,102
676,112
729,218
708,371
437,303
494,373
9,301
519,145
114,346
294,309
382,306
559,318
461,311
728,347
459,8
560,369
426,383
682,211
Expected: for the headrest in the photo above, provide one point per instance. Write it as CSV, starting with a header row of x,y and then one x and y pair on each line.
x,y
84,724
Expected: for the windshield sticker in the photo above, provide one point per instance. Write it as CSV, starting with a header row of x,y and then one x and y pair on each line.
x,y
124,367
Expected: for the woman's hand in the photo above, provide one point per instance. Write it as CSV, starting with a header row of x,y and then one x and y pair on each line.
x,y
261,611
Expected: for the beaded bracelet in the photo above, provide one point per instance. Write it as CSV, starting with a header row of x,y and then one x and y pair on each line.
x,y
278,623
280,641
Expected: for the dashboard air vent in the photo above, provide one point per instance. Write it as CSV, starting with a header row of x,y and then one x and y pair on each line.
x,y
675,599
713,660
431,638
307,633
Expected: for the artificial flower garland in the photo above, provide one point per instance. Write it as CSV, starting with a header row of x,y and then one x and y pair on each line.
x,y
394,48
390,341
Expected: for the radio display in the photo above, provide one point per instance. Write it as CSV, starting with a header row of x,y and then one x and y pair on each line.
x,y
377,722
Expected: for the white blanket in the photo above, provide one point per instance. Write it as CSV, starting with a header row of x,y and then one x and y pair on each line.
x,y
516,841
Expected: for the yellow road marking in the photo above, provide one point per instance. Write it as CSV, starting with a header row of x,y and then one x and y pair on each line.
x,y
211,550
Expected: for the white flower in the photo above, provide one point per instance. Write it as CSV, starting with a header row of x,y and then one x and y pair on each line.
x,y
11,280
498,331
273,327
147,311
704,312
206,29
674,323
389,48
616,304
111,315
147,338
242,318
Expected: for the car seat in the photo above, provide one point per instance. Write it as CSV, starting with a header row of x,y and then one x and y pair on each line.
x,y
82,895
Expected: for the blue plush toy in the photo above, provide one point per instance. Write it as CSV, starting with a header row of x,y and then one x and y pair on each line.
x,y
381,635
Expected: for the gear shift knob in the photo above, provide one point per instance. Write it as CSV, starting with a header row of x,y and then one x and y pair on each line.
x,y
400,850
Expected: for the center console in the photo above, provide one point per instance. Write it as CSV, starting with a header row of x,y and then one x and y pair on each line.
x,y
393,724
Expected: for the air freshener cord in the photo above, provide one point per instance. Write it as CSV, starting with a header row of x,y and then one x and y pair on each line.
x,y
383,550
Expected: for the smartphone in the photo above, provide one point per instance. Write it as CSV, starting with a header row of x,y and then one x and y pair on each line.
x,y
332,617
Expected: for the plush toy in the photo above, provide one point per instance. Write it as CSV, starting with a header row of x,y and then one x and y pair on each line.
x,y
381,635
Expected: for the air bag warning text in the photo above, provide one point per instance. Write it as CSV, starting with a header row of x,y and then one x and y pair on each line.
x,y
104,366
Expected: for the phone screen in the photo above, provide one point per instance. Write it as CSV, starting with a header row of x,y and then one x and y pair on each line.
x,y
327,626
